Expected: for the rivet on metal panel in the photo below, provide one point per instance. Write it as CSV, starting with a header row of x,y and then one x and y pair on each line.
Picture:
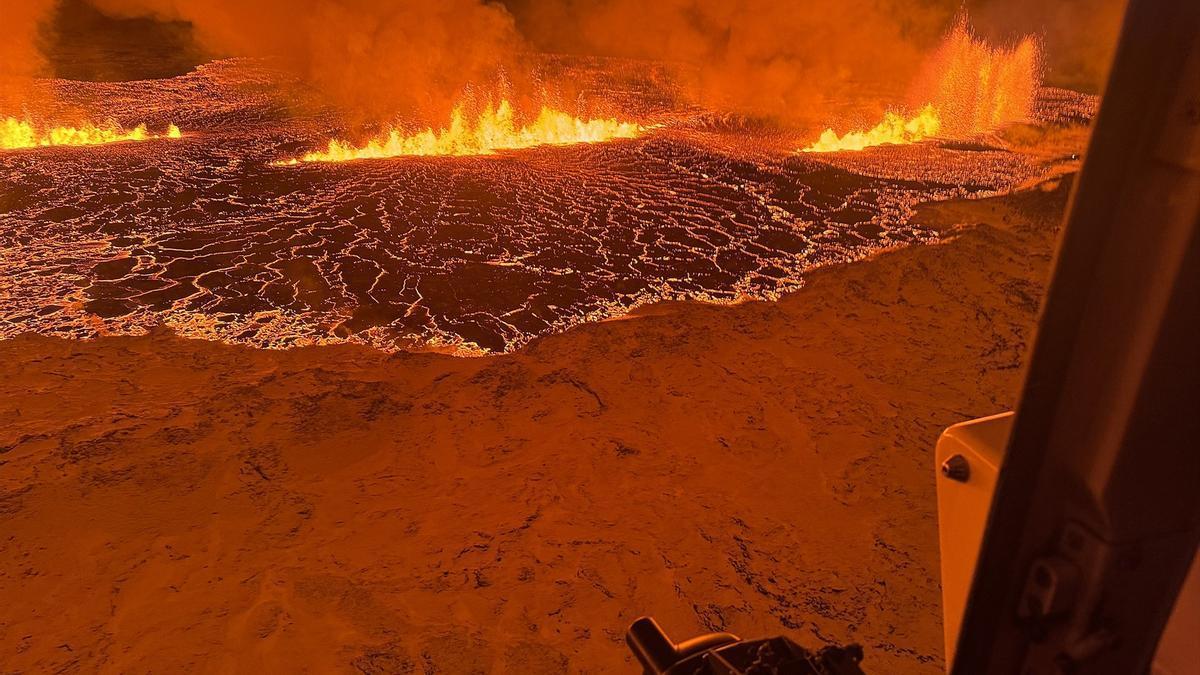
x,y
956,468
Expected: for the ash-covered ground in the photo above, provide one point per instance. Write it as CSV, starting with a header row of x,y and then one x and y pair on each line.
x,y
206,236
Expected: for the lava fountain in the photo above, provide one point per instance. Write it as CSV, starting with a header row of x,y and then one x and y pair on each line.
x,y
967,87
495,129
18,134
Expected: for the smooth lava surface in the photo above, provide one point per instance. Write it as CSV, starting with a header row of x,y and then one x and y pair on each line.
x,y
476,254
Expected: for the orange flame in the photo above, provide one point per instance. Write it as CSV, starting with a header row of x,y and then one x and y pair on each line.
x,y
967,87
495,129
893,130
18,134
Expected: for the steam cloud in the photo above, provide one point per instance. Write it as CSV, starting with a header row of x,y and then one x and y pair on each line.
x,y
1080,35
380,58
760,56
373,57
20,54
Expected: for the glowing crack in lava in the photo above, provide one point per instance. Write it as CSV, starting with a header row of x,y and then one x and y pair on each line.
x,y
495,129
18,134
967,88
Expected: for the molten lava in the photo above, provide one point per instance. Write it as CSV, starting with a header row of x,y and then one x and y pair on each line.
x,y
979,88
495,129
967,87
893,130
18,134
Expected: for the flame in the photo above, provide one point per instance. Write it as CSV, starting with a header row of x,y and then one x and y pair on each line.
x,y
18,134
893,130
967,87
495,129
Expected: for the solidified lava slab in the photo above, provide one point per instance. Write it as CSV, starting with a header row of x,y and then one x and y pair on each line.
x,y
205,235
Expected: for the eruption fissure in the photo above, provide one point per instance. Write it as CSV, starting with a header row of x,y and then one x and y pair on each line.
x,y
967,88
16,134
495,129
893,130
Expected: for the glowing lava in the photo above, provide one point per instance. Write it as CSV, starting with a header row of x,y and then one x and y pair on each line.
x,y
18,134
967,87
893,130
495,129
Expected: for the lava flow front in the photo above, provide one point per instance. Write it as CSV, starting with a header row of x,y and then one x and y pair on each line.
x,y
966,88
495,129
18,134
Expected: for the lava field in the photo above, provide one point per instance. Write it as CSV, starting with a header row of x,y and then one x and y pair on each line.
x,y
209,236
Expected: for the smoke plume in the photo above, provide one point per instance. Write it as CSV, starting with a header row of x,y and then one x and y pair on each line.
x,y
377,59
21,56
371,57
1080,35
761,56
785,58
